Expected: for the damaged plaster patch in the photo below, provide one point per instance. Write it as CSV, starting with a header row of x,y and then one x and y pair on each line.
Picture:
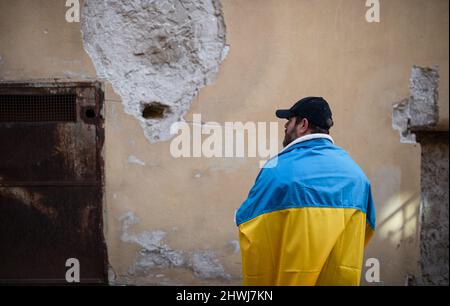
x,y
420,111
156,54
134,160
206,265
234,245
155,253
400,121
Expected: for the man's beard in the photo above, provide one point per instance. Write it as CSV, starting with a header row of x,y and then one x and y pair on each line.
x,y
287,140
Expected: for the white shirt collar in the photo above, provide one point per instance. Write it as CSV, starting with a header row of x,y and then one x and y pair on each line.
x,y
306,138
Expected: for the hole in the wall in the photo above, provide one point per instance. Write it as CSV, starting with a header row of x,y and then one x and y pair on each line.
x,y
90,113
154,110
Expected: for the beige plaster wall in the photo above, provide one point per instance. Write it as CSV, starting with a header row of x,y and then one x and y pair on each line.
x,y
280,50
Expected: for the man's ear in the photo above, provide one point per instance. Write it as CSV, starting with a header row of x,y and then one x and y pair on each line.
x,y
302,127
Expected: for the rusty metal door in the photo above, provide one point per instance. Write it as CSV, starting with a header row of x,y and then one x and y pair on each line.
x,y
51,182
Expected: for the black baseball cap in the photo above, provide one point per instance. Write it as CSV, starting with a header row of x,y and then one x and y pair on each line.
x,y
315,109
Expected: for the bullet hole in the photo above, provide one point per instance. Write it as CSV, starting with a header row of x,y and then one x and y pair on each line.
x,y
154,110
90,113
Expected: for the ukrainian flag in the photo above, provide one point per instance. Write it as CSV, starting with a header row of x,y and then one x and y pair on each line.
x,y
307,219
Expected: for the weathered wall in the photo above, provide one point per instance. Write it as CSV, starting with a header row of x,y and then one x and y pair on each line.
x,y
170,221
165,52
416,118
434,209
419,112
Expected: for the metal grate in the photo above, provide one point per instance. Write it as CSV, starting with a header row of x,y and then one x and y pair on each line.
x,y
37,108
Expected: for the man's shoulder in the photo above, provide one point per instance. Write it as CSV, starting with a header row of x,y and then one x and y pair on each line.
x,y
325,158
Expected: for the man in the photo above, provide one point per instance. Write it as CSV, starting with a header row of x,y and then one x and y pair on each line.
x,y
307,219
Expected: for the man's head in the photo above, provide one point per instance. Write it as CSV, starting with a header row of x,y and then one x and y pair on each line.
x,y
308,116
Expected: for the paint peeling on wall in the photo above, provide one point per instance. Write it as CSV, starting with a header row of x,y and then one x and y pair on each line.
x,y
155,253
156,54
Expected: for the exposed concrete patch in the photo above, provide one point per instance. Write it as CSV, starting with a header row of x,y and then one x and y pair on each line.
x,y
420,111
155,52
134,160
156,254
434,247
423,104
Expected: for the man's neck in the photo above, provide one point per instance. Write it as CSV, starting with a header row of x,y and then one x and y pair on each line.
x,y
308,137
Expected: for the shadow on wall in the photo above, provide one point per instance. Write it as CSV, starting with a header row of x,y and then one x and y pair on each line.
x,y
397,234
396,223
